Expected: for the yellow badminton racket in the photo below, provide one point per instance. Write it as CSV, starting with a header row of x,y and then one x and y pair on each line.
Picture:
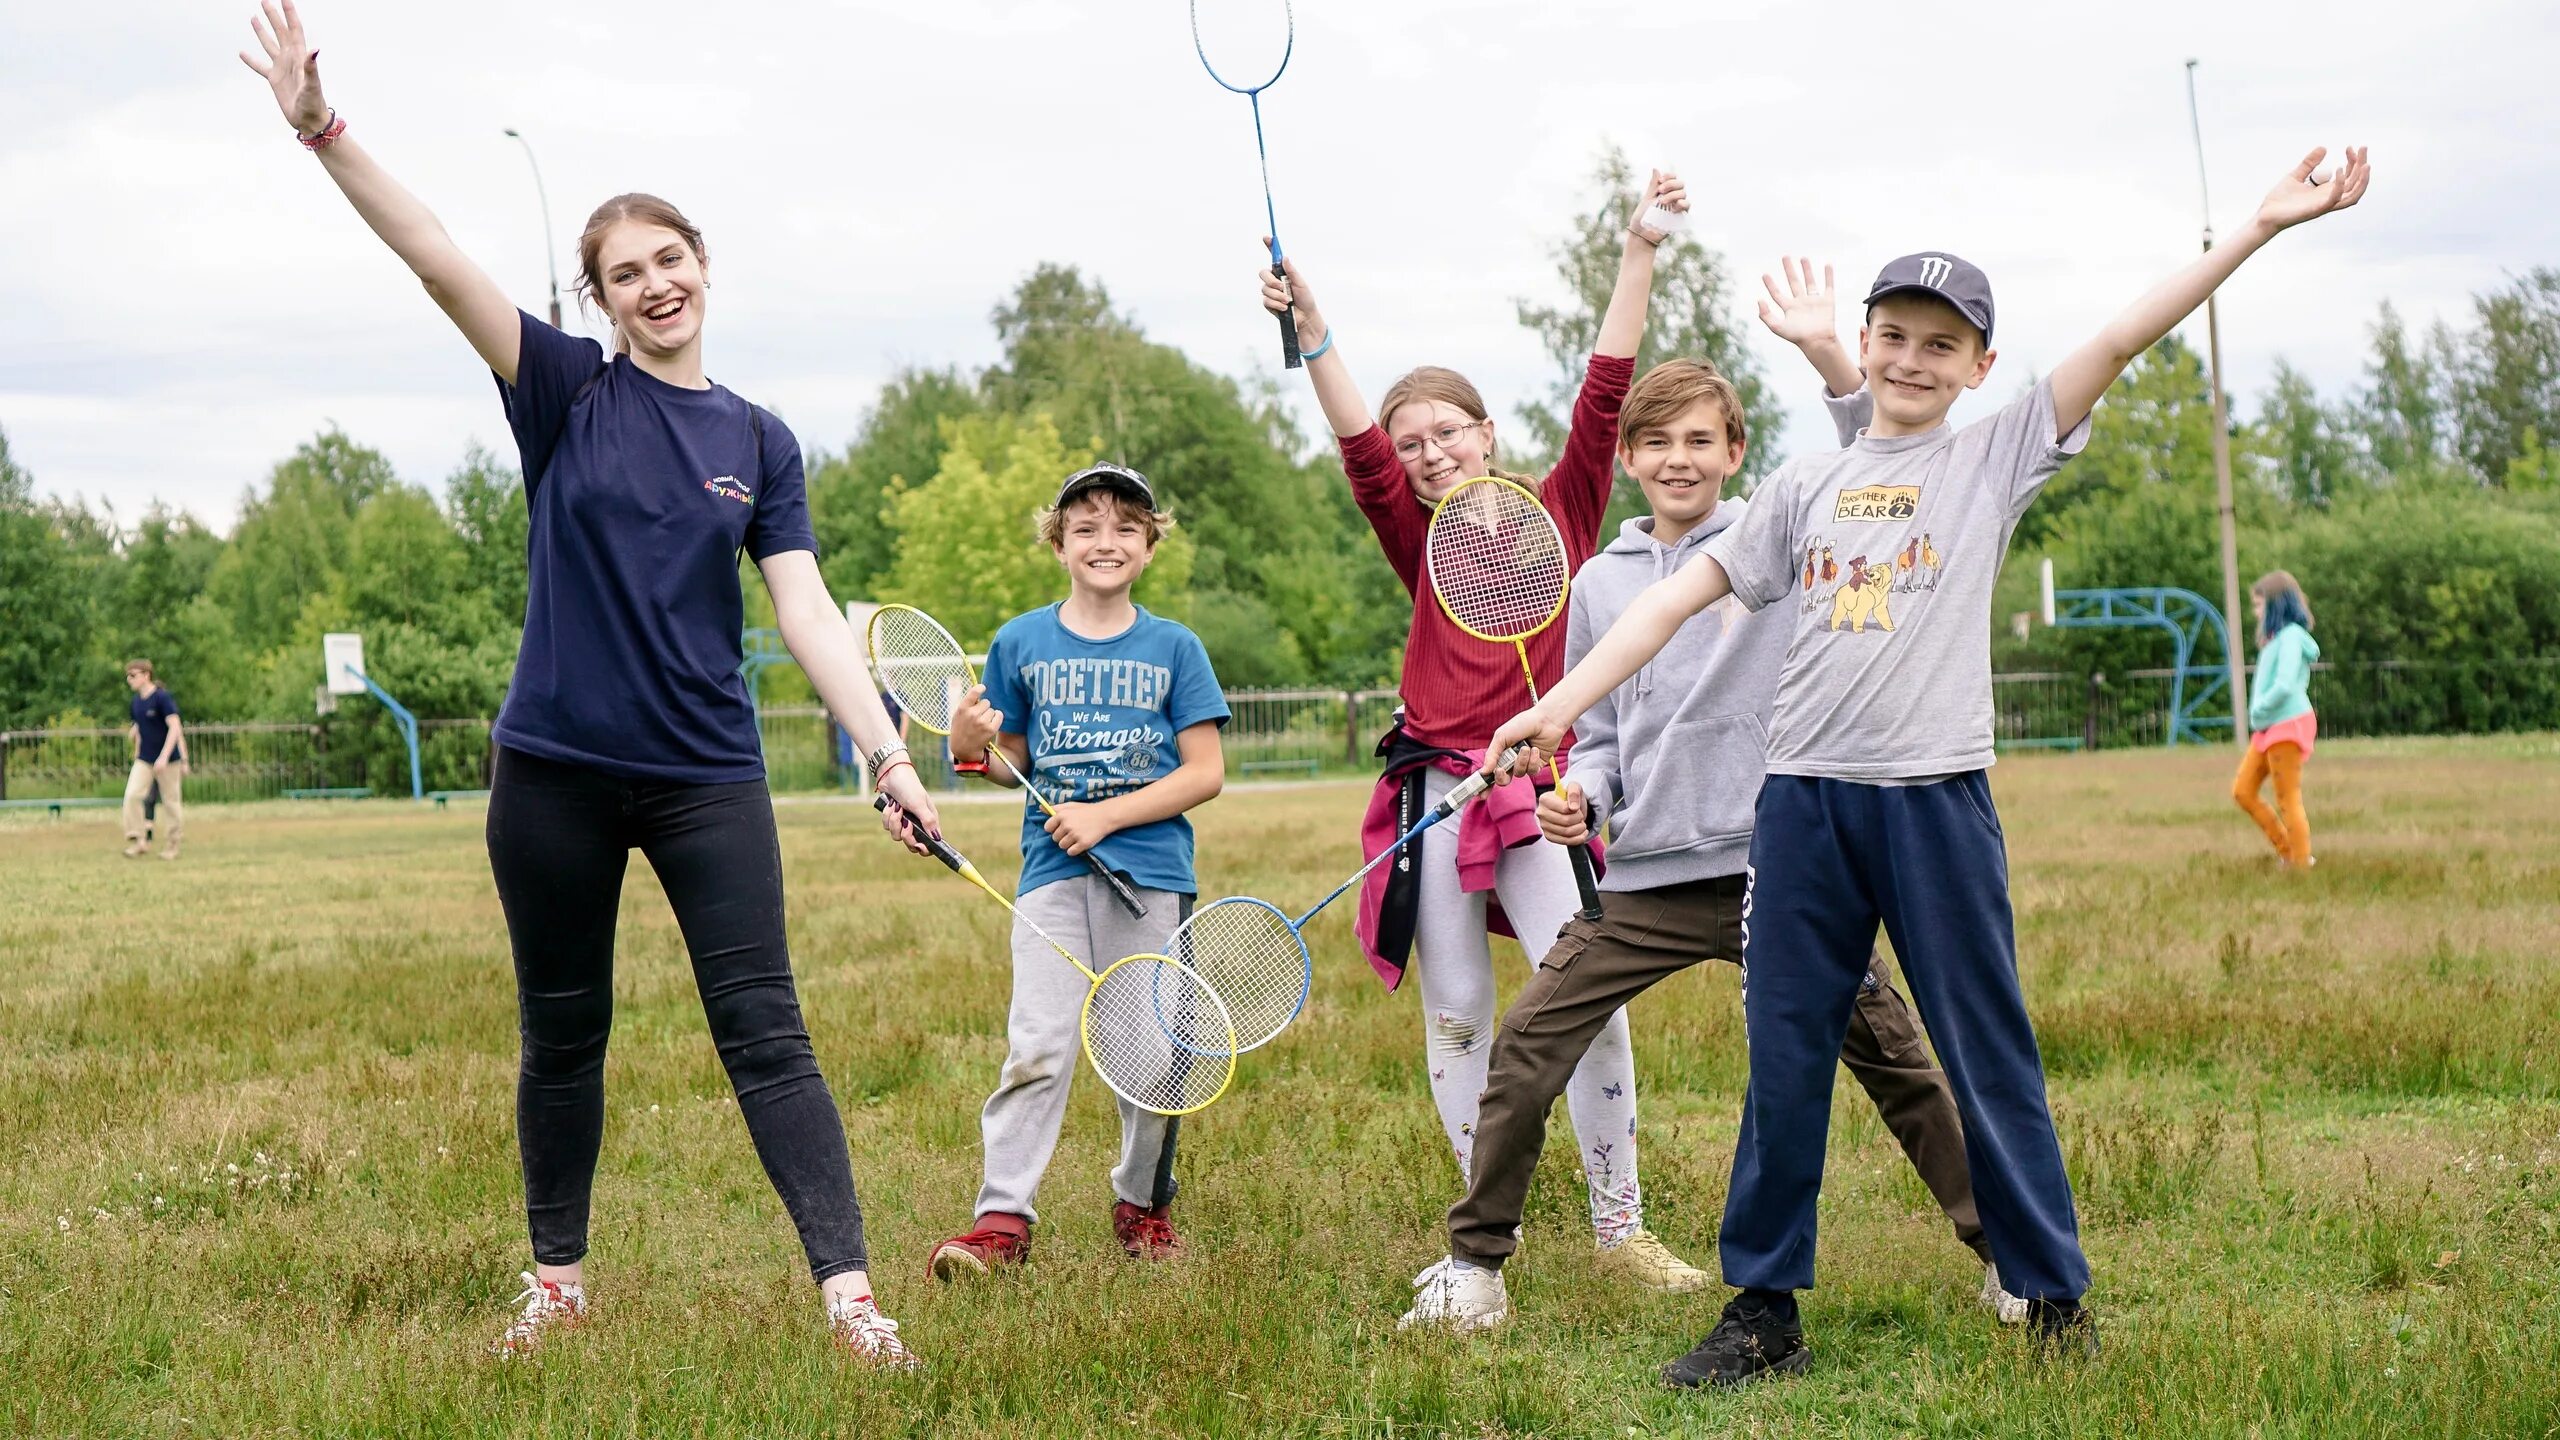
x,y
1499,568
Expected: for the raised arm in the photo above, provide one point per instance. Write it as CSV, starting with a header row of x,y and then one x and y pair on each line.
x,y
1622,324
1648,624
1344,410
291,68
1804,315
2305,193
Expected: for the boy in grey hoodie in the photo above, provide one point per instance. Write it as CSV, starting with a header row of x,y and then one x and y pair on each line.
x,y
1673,759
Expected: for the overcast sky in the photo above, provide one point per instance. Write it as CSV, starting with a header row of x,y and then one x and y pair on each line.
x,y
191,297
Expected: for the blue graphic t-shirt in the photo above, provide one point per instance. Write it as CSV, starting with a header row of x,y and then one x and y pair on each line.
x,y
640,494
1101,717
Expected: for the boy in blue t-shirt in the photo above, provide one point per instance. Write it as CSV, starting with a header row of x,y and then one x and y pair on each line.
x,y
1114,714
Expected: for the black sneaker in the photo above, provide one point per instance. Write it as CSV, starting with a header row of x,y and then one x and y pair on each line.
x,y
1753,1339
2062,1329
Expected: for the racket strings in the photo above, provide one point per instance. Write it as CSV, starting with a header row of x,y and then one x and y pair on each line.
x,y
919,663
1253,95
1497,561
1248,953
1159,1036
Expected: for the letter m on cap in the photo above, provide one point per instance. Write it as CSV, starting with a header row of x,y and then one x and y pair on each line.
x,y
1934,270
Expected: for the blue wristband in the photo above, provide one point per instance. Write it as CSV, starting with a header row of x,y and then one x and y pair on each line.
x,y
1319,350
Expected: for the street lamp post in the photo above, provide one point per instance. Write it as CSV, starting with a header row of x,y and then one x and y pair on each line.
x,y
550,252
2221,449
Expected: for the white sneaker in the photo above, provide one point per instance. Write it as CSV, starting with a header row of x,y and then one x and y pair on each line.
x,y
2009,1308
1459,1301
868,1335
548,1305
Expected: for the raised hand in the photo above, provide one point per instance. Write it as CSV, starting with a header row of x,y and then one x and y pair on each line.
x,y
1288,291
290,66
1804,312
1661,188
2306,194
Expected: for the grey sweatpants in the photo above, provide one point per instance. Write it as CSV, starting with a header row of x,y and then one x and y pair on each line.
x,y
1044,1028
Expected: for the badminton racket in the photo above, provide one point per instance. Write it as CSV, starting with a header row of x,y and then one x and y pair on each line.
x,y
1256,958
1289,357
915,660
1499,569
1154,1030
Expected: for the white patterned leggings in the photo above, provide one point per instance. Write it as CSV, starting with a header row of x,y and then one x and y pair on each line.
x,y
1453,962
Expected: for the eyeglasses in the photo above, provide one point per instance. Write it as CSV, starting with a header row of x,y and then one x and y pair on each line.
x,y
1446,436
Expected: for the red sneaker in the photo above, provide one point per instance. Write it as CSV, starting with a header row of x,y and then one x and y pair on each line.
x,y
1146,1234
999,1240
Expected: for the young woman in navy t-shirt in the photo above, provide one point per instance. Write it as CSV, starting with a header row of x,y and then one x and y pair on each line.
x,y
627,723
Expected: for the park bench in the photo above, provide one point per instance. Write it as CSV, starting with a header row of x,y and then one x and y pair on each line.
x,y
441,796
338,792
57,806
1309,767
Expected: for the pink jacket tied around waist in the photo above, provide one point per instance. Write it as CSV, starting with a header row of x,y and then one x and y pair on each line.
x,y
1502,818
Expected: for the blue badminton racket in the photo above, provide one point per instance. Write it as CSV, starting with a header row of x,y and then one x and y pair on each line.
x,y
1289,356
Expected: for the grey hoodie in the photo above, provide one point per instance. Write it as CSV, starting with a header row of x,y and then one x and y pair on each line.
x,y
1673,758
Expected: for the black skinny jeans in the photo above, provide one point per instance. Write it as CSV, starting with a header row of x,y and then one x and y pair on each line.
x,y
560,837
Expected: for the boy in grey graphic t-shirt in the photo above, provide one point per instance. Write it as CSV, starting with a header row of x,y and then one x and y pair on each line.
x,y
1878,807
1888,676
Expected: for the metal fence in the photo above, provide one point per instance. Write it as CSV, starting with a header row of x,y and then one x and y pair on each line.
x,y
1275,734
2370,697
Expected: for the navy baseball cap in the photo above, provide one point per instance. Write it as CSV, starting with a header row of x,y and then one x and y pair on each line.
x,y
1960,283
1107,476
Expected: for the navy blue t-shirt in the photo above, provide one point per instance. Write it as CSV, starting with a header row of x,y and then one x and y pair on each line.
x,y
1101,718
641,494
151,716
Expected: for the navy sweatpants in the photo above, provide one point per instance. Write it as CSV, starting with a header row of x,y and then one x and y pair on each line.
x,y
1830,858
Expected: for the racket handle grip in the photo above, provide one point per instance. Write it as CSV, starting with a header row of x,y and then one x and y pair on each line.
x,y
1584,882
939,848
1120,890
1289,357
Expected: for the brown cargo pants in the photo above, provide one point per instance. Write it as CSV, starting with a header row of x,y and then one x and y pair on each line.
x,y
1643,937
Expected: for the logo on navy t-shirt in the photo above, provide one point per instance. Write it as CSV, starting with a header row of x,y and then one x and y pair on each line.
x,y
728,488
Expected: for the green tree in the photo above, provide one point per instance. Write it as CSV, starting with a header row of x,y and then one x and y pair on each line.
x,y
45,618
1693,315
2153,427
486,501
1282,569
900,439
163,612
292,540
964,546
2306,451
2534,470
2400,412
2507,380
405,565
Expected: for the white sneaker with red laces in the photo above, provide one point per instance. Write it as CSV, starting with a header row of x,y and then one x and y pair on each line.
x,y
868,1335
548,1305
